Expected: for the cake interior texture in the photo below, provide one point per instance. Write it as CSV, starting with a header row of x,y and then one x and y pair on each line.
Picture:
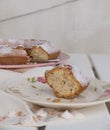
x,y
63,83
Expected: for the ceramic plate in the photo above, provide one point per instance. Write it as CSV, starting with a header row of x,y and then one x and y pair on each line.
x,y
35,91
62,58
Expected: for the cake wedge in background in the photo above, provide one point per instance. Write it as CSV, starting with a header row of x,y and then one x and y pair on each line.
x,y
66,81
41,50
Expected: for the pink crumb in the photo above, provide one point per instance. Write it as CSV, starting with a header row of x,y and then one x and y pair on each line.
x,y
41,79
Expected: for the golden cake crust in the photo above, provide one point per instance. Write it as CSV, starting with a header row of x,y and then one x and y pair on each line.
x,y
14,60
39,54
63,82
10,56
41,50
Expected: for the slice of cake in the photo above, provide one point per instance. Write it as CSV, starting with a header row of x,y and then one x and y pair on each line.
x,y
41,50
66,81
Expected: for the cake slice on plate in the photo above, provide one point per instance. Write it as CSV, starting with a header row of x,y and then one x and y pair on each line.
x,y
66,81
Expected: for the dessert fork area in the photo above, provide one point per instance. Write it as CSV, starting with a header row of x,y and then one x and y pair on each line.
x,y
95,117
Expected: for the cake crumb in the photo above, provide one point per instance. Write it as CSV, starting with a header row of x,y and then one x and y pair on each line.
x,y
57,100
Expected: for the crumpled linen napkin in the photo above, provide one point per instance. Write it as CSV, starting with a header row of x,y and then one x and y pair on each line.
x,y
14,111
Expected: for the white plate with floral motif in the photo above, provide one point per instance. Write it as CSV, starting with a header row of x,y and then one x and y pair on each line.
x,y
34,90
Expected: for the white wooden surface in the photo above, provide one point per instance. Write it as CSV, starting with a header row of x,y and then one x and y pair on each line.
x,y
101,63
21,7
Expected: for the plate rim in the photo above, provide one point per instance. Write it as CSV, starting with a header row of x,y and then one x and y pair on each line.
x,y
73,105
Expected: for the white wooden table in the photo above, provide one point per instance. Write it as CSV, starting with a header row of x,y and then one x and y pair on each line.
x,y
97,117
101,65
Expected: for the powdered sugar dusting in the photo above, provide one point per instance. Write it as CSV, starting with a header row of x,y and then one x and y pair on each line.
x,y
83,80
41,113
80,76
66,114
5,50
47,46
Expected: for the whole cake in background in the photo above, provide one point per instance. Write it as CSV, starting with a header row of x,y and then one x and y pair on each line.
x,y
15,51
66,81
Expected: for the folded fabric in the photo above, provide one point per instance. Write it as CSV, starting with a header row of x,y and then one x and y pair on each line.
x,y
15,112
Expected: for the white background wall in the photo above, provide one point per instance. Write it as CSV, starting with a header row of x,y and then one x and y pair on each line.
x,y
72,25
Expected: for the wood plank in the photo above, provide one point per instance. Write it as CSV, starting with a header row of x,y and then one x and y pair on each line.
x,y
13,8
101,64
37,26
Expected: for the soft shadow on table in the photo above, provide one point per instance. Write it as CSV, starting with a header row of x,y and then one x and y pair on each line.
x,y
41,128
108,106
20,70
